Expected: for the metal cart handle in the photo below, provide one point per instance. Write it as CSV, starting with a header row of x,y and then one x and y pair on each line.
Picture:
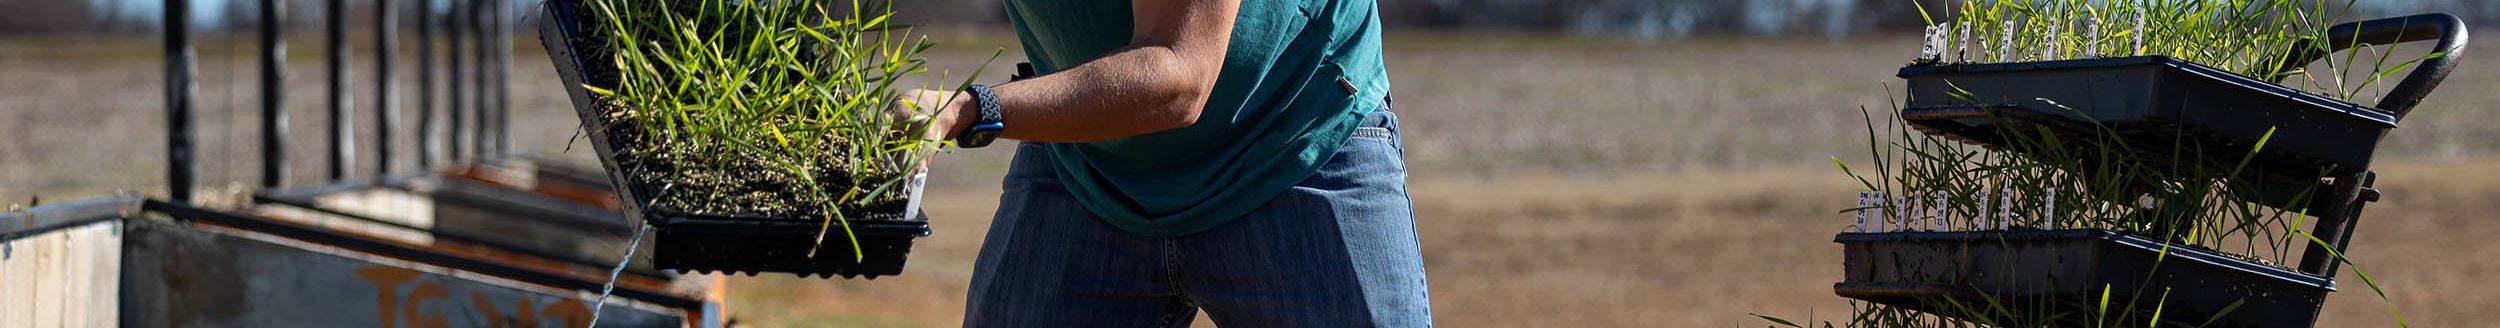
x,y
2448,29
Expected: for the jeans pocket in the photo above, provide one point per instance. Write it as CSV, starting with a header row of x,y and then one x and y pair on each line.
x,y
1382,126
1375,133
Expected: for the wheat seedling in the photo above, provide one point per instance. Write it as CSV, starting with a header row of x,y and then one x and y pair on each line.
x,y
761,108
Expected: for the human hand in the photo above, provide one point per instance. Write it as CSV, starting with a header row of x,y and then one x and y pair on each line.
x,y
939,114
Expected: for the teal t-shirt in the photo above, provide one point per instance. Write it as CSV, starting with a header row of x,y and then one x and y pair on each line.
x,y
1298,77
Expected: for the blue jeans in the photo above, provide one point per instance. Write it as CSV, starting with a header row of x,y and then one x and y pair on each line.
x,y
1337,250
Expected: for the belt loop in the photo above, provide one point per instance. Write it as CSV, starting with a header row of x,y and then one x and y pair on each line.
x,y
1397,137
1389,105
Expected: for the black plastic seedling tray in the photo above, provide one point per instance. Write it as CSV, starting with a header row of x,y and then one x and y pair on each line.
x,y
2154,103
2158,104
720,243
2071,269
750,245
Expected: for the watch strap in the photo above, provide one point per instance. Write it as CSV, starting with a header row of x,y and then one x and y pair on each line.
x,y
986,127
986,98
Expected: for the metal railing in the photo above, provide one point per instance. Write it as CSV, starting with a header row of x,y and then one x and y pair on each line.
x,y
477,54
479,31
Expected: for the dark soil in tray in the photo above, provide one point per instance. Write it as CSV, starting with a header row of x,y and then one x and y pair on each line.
x,y
742,186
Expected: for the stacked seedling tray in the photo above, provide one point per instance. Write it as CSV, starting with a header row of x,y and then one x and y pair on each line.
x,y
722,242
2161,105
2074,267
2152,102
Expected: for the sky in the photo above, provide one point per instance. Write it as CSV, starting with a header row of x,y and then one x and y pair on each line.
x,y
203,12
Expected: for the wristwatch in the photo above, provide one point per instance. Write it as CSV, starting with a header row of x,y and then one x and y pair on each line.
x,y
985,130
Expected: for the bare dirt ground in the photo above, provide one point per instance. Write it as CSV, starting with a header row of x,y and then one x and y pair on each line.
x,y
1558,182
1694,249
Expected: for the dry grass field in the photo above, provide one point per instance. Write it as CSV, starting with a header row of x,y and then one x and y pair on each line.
x,y
1558,181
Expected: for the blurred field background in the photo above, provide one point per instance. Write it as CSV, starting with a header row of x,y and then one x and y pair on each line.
x,y
1575,163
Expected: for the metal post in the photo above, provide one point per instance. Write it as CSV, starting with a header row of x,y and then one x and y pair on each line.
x,y
503,80
425,86
386,48
179,58
2343,203
342,146
2344,242
272,94
457,135
484,38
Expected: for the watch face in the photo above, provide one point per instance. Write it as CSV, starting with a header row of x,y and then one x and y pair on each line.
x,y
977,138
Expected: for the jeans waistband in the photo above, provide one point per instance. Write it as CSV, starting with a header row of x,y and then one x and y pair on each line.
x,y
1380,123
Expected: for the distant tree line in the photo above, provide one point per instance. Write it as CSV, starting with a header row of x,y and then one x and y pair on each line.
x,y
37,17
1635,18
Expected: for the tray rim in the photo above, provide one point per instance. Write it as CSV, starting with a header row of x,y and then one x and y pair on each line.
x,y
861,228
2371,114
2131,241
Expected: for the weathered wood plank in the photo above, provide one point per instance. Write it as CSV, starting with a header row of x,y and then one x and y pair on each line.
x,y
104,308
77,283
62,278
48,263
16,265
47,278
90,281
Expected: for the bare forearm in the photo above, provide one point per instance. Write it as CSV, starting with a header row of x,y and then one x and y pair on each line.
x,y
1160,82
1130,92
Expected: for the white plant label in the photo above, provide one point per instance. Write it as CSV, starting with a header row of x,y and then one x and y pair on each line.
x,y
1898,220
2139,31
2005,209
1866,204
1917,219
1932,47
1878,212
2092,37
1963,52
1942,207
2050,52
2005,44
2048,206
